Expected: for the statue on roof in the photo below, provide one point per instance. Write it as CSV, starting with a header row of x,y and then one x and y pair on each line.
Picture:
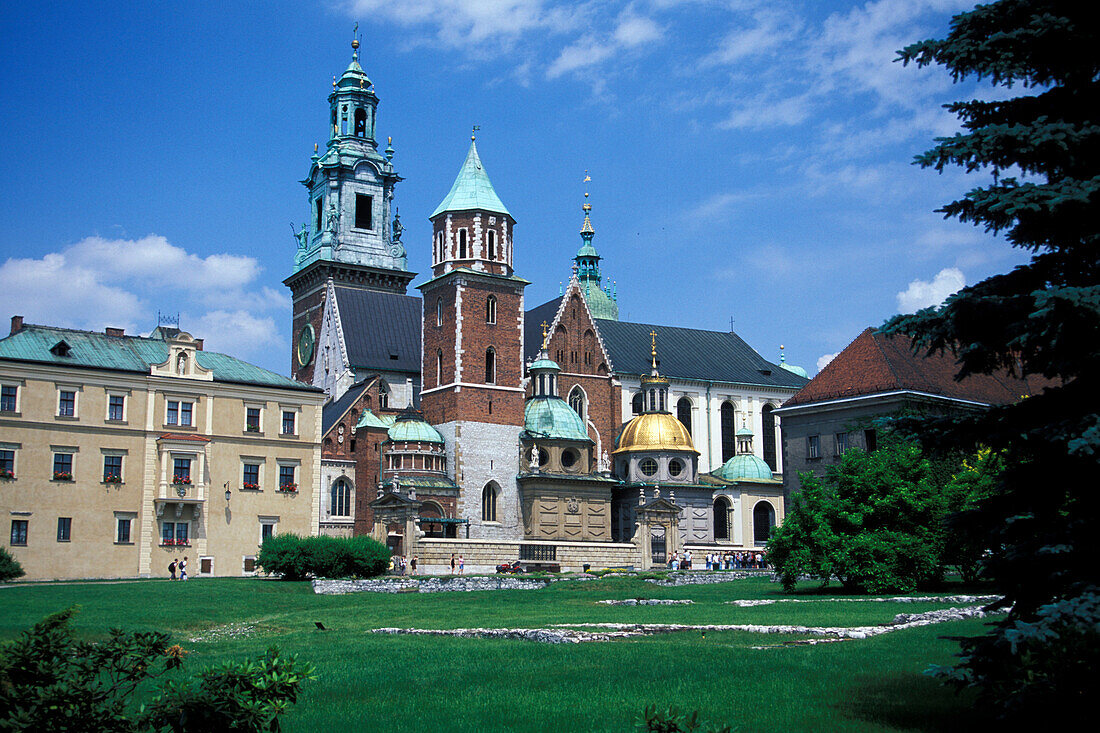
x,y
300,236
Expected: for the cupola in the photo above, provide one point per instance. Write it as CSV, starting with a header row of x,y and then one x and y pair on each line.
x,y
601,302
353,103
791,367
656,429
745,466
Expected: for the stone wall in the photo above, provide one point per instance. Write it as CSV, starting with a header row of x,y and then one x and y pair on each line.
x,y
324,586
482,556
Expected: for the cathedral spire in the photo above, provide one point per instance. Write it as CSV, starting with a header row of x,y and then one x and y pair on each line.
x,y
586,265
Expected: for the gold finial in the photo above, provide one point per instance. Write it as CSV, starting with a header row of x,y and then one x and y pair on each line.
x,y
360,83
334,81
653,344
587,179
389,140
473,132
314,148
545,330
355,41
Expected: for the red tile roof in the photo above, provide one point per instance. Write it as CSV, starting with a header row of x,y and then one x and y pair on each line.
x,y
875,363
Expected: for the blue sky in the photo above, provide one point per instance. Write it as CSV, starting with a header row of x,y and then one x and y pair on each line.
x,y
749,160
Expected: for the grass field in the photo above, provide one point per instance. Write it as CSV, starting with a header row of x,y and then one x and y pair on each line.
x,y
369,681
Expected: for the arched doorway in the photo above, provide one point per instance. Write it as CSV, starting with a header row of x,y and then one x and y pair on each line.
x,y
722,511
763,519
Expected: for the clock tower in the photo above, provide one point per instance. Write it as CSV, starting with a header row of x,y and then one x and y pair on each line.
x,y
352,235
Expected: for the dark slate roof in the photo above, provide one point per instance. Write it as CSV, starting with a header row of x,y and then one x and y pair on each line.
x,y
875,363
532,326
689,353
95,350
335,409
381,330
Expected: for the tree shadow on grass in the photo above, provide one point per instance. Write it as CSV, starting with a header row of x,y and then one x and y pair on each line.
x,y
909,701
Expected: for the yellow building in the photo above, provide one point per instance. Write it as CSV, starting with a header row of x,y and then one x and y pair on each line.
x,y
120,454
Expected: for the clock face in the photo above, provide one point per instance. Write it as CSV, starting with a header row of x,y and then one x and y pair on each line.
x,y
305,345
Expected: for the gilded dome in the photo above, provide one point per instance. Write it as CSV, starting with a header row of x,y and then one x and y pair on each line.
x,y
654,431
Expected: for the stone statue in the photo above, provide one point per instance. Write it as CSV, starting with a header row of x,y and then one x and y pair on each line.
x,y
533,461
398,227
333,218
302,237
605,463
181,364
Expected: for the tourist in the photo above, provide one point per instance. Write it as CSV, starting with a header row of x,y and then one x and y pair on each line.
x,y
461,565
452,563
183,568
687,560
172,569
412,566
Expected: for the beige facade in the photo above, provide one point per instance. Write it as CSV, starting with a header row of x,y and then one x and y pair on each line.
x,y
115,473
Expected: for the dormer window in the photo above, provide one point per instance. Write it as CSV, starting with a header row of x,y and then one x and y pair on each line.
x,y
61,348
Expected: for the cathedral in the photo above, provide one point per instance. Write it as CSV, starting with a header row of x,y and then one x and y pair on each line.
x,y
461,423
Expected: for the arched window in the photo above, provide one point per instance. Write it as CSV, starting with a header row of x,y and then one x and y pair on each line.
x,y
439,257
491,309
637,404
490,366
492,245
489,502
768,442
763,519
578,402
729,431
383,396
339,504
461,244
360,122
438,367
721,518
683,412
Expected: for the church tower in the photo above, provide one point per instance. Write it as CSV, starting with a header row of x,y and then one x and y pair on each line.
x,y
350,237
473,350
603,303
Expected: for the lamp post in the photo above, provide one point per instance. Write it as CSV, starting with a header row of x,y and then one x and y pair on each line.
x,y
228,493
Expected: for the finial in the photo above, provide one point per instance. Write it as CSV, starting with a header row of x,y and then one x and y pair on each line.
x,y
653,343
473,132
314,148
334,81
355,42
389,148
545,330
782,356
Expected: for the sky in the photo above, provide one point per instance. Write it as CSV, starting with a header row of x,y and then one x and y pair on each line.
x,y
751,161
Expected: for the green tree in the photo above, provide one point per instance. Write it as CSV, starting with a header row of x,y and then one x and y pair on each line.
x,y
1041,151
874,520
10,569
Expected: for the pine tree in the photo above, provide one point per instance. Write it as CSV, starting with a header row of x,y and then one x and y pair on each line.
x,y
1042,319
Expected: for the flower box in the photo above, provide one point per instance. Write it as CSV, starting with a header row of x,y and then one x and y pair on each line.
x,y
249,486
7,475
175,543
112,479
62,476
252,428
181,480
290,488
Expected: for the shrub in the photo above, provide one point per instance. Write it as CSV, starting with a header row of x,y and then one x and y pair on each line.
x,y
10,569
675,720
296,558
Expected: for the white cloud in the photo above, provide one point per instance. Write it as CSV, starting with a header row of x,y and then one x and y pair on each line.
x,y
632,33
99,282
824,359
923,294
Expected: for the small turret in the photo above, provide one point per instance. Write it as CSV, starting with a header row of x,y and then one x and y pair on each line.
x,y
586,265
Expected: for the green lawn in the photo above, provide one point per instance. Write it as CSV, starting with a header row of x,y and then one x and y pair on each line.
x,y
370,681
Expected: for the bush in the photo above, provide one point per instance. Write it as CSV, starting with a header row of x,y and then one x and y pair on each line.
x,y
10,569
50,681
675,720
296,558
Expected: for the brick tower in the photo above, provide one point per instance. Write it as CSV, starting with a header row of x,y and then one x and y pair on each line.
x,y
473,350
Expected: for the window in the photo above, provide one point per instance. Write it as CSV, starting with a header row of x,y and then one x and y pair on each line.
x,y
181,471
461,244
252,419
122,530
439,246
62,466
492,245
569,458
383,396
491,309
363,213
488,503
841,443
9,394
813,446
286,478
675,467
179,413
763,519
174,534
728,419
289,418
66,403
490,366
721,518
648,467
683,412
361,124
267,529
439,367
577,402
340,499
64,528
439,312
19,533
870,440
116,407
320,204
112,469
250,477
767,420
637,404
7,463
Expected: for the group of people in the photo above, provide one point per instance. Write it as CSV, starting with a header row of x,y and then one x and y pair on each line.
x,y
461,564
180,566
728,560
399,565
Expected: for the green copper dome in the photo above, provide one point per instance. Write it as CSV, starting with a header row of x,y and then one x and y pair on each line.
x,y
795,370
544,363
411,427
472,190
550,417
599,302
745,467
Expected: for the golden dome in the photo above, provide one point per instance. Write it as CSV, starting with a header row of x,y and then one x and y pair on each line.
x,y
655,431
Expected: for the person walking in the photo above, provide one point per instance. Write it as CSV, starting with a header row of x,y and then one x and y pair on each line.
x,y
183,568
412,566
461,565
172,569
452,563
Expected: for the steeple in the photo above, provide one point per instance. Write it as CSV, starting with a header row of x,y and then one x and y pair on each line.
x,y
472,189
602,303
